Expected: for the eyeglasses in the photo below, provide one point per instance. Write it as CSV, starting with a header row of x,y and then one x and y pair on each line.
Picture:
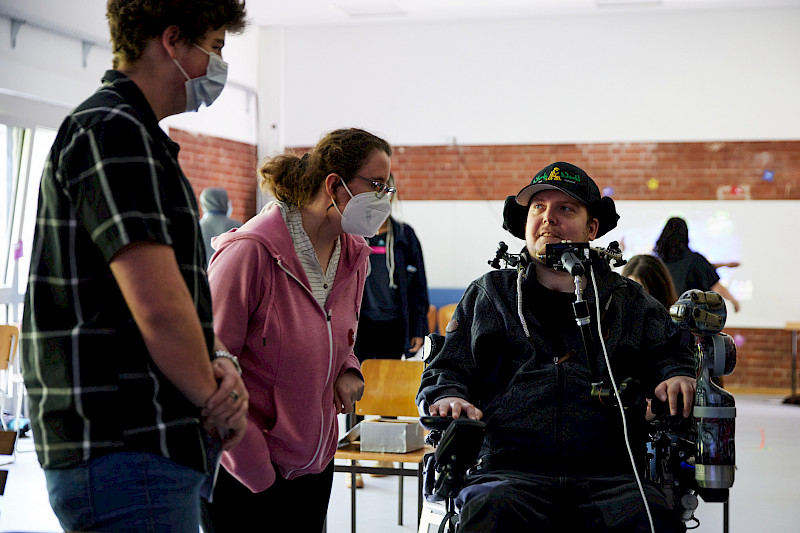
x,y
381,189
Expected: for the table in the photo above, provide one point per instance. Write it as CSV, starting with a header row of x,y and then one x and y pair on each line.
x,y
793,398
352,452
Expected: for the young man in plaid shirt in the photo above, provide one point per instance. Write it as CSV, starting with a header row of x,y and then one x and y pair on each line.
x,y
125,379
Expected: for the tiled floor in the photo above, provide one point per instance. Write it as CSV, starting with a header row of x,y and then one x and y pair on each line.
x,y
764,497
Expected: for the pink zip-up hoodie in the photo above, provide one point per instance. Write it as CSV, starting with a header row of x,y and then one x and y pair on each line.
x,y
291,349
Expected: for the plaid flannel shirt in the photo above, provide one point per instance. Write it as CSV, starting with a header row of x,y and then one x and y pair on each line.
x,y
112,178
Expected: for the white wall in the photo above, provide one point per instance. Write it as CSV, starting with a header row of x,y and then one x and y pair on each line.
x,y
679,76
682,76
45,67
459,238
42,78
672,76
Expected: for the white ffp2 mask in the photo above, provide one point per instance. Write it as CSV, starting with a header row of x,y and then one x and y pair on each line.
x,y
365,213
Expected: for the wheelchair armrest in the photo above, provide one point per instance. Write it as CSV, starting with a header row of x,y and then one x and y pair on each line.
x,y
662,408
458,443
461,443
435,423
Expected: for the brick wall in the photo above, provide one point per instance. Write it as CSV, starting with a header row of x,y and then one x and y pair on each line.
x,y
763,359
214,162
682,171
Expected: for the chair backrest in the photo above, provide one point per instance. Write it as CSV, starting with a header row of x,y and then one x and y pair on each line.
x,y
445,314
432,312
9,335
390,387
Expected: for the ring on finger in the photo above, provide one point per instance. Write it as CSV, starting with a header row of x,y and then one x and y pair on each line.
x,y
235,396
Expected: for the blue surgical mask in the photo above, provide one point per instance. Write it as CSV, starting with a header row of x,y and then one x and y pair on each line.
x,y
205,89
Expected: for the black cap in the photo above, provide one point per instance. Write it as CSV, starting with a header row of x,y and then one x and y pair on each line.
x,y
569,179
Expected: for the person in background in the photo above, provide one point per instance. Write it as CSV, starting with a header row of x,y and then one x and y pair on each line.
x,y
216,216
394,309
287,289
689,269
126,381
651,273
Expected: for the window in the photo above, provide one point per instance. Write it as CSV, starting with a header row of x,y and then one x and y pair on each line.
x,y
22,155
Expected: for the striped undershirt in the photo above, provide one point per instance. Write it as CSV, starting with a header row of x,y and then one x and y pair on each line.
x,y
321,281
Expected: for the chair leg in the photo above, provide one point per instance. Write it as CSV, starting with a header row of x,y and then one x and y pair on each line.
x,y
400,500
420,497
352,499
18,401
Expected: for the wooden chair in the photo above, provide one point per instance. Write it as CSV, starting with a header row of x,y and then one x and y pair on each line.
x,y
390,388
9,338
432,312
445,314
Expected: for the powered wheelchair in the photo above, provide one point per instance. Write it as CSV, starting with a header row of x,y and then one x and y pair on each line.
x,y
686,458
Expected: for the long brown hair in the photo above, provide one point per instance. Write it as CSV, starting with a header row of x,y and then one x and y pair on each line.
x,y
652,273
295,180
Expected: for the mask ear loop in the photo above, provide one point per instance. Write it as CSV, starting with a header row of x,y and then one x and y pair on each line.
x,y
346,188
181,69
333,199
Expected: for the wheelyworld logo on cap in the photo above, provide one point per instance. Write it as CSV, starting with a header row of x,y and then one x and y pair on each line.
x,y
557,175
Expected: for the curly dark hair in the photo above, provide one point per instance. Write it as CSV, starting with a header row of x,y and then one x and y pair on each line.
x,y
134,22
294,180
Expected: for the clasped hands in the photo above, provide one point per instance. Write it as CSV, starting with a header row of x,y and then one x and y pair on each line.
x,y
225,411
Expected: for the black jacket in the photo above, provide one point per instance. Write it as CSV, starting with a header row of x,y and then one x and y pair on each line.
x,y
540,415
409,276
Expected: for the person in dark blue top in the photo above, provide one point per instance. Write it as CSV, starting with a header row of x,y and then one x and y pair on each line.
x,y
394,309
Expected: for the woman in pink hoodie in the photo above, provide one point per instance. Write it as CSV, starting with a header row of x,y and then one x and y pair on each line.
x,y
286,289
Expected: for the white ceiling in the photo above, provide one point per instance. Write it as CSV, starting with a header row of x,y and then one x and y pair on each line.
x,y
87,17
308,12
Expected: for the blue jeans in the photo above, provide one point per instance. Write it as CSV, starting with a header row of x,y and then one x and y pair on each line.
x,y
514,501
127,491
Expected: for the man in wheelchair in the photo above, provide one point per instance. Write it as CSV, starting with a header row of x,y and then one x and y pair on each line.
x,y
556,356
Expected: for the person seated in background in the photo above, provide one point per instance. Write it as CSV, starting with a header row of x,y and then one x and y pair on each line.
x,y
689,269
651,273
216,216
554,457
